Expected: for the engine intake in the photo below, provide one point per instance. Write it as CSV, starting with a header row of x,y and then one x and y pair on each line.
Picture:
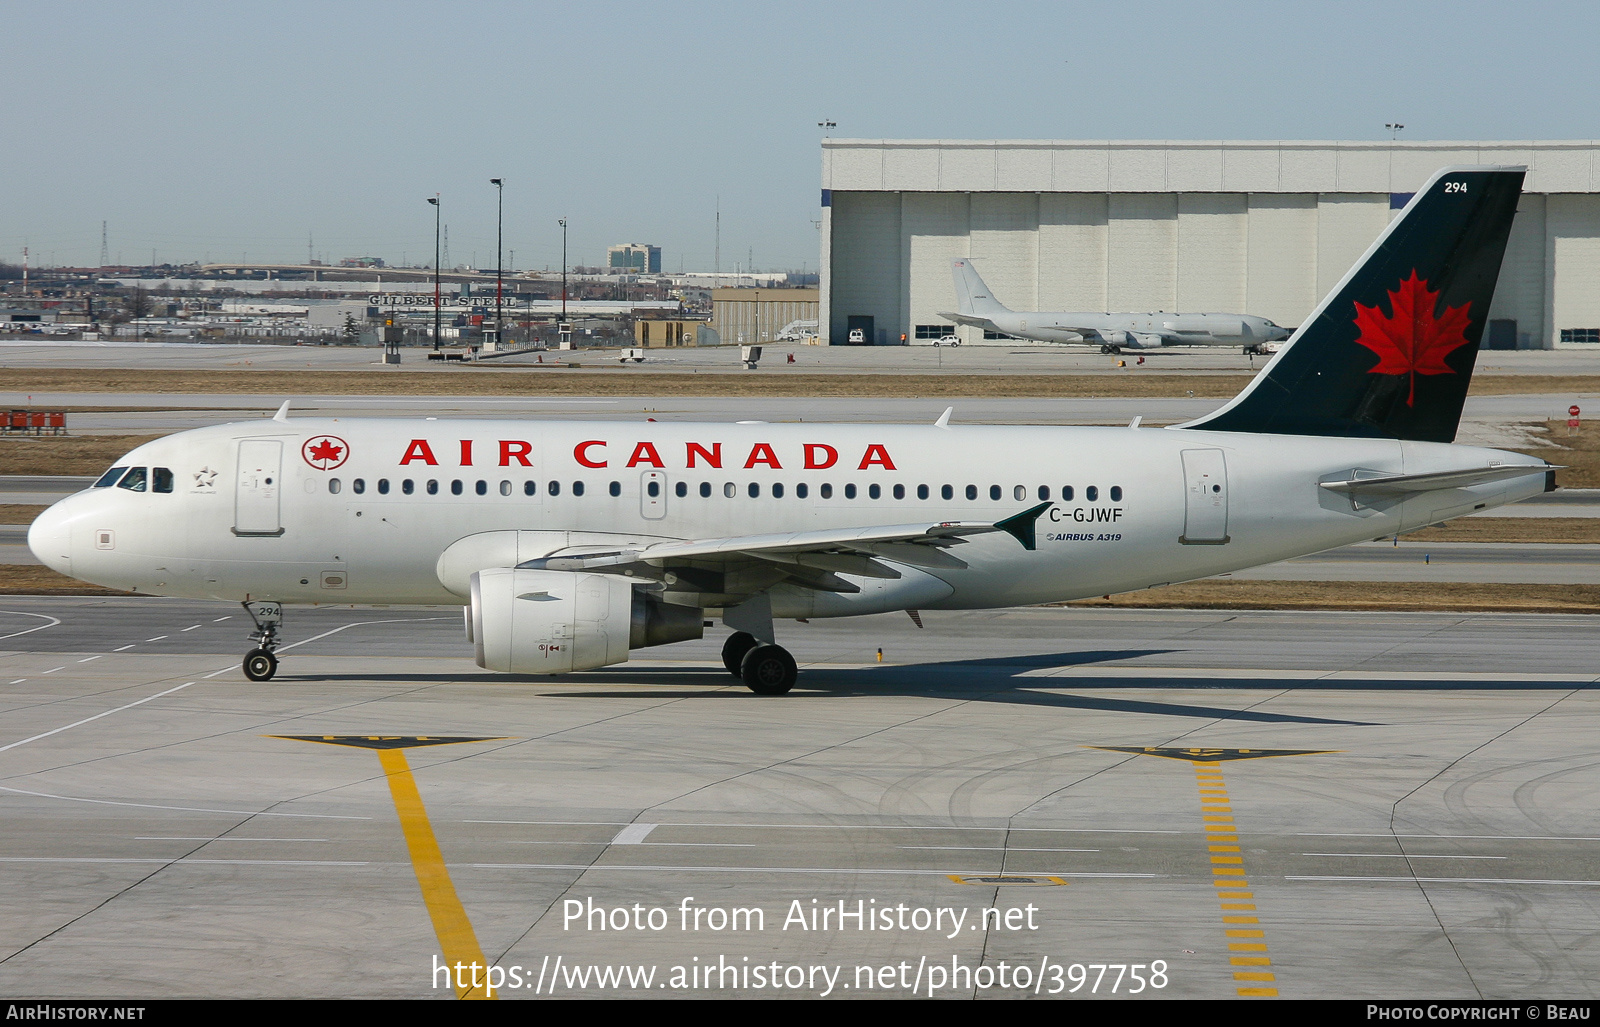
x,y
552,622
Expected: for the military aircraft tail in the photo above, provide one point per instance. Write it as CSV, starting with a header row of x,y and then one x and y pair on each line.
x,y
1390,351
972,296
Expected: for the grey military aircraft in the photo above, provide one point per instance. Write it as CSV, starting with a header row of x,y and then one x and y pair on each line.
x,y
1112,332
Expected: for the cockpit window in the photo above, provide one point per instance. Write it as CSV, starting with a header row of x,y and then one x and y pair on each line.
x,y
161,479
110,478
134,480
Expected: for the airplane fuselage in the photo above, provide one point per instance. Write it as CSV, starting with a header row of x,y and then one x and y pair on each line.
x,y
1133,330
403,511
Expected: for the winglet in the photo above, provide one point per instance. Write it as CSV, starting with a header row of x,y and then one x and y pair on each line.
x,y
283,412
1020,526
944,418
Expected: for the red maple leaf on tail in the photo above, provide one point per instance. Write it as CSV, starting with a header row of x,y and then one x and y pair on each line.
x,y
1412,340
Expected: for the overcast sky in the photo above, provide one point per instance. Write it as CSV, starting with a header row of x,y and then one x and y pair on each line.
x,y
222,130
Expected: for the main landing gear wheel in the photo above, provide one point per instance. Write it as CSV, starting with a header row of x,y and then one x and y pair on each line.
x,y
734,649
769,670
260,665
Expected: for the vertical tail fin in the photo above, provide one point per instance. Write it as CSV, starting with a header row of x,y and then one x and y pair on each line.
x,y
1390,351
972,295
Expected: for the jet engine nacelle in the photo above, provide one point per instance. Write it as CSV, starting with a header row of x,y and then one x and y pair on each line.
x,y
552,622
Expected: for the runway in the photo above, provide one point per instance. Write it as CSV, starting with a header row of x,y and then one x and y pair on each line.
x,y
1349,805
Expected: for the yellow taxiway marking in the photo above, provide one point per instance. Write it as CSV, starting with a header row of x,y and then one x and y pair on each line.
x,y
457,941
1227,870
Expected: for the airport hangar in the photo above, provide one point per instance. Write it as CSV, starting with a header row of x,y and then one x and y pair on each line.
x,y
1263,227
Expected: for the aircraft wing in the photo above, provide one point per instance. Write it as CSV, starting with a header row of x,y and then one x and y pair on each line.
x,y
1379,483
810,558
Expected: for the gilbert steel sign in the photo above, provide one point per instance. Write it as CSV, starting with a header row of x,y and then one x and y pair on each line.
x,y
419,299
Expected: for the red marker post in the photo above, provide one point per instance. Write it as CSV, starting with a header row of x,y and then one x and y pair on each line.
x,y
1572,419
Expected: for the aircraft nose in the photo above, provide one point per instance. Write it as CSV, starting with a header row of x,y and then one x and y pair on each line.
x,y
50,539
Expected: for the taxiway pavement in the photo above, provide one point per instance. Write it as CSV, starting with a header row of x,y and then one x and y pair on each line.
x,y
1316,804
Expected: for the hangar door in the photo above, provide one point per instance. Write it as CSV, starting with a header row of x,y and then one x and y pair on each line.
x,y
1205,498
258,488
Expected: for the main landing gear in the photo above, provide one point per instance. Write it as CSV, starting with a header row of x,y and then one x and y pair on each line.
x,y
260,663
766,669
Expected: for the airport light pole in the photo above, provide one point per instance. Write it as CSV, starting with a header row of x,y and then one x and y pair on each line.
x,y
563,270
437,208
499,262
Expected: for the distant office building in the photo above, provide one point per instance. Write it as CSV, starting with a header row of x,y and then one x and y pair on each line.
x,y
634,256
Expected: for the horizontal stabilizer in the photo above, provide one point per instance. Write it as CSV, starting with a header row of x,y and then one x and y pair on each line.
x,y
968,319
1380,483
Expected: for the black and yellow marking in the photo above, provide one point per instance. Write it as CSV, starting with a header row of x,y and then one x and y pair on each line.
x,y
1005,879
384,741
1209,755
457,941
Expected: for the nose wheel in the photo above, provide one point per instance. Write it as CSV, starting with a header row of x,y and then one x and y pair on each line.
x,y
261,663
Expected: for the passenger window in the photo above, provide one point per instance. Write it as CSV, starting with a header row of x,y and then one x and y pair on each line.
x,y
947,492
161,479
358,486
408,486
433,487
1044,492
455,487
777,491
1116,493
922,492
681,488
134,480
505,488
994,492
827,491
529,488
334,485
875,491
705,490
1019,493
111,477
850,491
577,488
482,488
1092,493
383,486
729,489
616,488
972,492
554,489
654,488
1066,493
801,490
755,491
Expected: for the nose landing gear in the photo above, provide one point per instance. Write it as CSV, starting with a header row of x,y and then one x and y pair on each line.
x,y
260,663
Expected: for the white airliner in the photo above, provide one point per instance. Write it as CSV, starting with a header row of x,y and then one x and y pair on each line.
x,y
1113,332
572,543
